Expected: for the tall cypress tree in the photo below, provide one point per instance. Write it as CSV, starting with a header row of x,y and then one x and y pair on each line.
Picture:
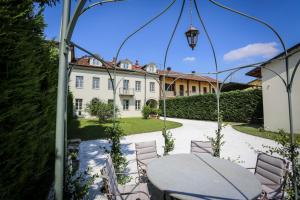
x,y
28,82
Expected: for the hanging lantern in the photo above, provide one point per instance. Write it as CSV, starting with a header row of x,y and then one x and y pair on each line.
x,y
192,36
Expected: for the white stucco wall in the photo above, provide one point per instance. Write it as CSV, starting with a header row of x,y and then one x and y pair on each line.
x,y
275,96
87,93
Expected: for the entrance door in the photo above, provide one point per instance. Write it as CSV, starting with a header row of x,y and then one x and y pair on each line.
x,y
181,90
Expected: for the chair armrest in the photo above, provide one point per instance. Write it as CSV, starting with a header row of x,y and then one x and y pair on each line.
x,y
127,173
135,192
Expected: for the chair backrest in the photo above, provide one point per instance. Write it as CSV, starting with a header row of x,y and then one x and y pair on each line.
x,y
112,183
201,147
271,168
146,150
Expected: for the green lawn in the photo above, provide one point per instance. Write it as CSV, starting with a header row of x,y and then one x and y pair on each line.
x,y
253,129
87,129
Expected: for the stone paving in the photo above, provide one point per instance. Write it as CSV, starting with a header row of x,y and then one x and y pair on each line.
x,y
239,147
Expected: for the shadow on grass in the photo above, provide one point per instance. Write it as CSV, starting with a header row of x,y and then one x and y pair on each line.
x,y
89,132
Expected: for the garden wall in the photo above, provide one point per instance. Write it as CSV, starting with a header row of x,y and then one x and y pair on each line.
x,y
235,106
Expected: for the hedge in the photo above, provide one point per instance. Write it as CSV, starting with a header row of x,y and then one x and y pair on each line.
x,y
235,106
28,75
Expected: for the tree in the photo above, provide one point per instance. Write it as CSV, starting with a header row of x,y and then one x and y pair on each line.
x,y
28,74
103,111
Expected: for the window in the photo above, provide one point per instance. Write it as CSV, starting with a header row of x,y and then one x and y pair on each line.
x,y
193,89
95,62
137,104
79,81
169,87
204,90
138,86
125,65
125,84
152,87
96,83
125,104
110,101
213,90
110,85
78,106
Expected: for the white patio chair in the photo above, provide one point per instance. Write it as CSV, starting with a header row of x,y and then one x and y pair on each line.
x,y
114,191
199,147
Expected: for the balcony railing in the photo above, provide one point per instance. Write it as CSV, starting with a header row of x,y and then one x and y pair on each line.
x,y
126,91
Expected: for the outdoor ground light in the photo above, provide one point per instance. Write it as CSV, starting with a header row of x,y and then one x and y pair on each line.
x,y
192,36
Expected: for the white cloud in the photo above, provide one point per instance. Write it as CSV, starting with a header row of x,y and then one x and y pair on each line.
x,y
189,59
265,50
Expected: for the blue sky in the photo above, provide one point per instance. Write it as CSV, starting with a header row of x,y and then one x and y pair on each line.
x,y
237,40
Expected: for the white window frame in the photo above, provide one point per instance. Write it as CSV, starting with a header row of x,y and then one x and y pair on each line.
x,y
152,86
138,86
78,106
126,83
137,104
94,83
125,104
79,82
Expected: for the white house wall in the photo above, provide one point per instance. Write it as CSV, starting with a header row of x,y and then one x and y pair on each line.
x,y
275,96
87,93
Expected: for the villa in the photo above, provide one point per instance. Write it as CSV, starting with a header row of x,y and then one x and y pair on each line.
x,y
136,85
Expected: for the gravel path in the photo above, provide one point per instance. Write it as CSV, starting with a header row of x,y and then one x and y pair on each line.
x,y
238,146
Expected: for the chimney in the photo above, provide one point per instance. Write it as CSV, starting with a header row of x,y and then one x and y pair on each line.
x,y
169,69
114,60
137,62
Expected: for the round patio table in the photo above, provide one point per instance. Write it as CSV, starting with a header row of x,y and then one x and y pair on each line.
x,y
194,176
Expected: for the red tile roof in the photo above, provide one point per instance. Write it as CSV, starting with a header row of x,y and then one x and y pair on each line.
x,y
84,61
173,74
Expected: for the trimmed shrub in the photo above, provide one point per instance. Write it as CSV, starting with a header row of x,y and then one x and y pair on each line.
x,y
103,111
146,111
28,75
235,106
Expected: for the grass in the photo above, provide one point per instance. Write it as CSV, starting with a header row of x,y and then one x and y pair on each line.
x,y
91,129
256,130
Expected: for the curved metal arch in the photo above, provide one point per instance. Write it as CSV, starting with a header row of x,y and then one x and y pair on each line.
x,y
165,61
255,19
230,74
143,26
215,61
294,73
238,69
100,3
282,79
93,55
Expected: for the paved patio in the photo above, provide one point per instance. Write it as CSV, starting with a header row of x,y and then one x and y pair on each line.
x,y
238,146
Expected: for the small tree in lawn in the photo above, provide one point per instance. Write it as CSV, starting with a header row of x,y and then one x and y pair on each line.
x,y
146,111
100,109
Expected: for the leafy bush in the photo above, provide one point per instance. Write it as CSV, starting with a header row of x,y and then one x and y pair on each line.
x,y
100,109
120,163
146,111
78,184
236,106
169,141
290,152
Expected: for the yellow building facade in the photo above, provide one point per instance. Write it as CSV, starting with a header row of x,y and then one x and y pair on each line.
x,y
178,85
